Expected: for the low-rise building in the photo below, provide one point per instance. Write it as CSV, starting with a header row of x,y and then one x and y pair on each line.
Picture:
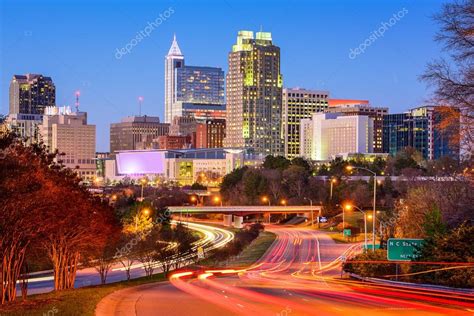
x,y
185,167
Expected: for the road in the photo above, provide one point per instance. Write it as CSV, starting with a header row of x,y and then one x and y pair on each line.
x,y
298,275
214,237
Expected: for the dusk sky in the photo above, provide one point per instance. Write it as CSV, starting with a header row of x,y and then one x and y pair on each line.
x,y
75,43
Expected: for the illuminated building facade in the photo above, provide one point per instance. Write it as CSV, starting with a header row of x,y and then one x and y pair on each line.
x,y
187,85
254,95
210,134
185,166
376,113
299,104
419,128
69,133
333,134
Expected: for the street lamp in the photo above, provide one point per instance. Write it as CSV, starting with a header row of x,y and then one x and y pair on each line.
x,y
142,182
312,216
333,181
350,168
349,207
265,199
217,200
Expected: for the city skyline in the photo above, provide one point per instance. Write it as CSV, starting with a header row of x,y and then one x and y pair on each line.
x,y
110,94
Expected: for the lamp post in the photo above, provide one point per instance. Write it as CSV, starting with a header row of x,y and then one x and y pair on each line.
x,y
142,182
333,181
349,168
349,207
312,216
265,199
217,200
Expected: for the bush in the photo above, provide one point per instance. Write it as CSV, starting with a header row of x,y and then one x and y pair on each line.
x,y
371,269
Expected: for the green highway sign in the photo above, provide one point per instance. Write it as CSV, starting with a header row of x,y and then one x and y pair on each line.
x,y
403,249
347,232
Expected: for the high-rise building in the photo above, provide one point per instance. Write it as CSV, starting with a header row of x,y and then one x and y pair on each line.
x,y
299,104
377,113
189,84
25,126
333,134
420,128
69,133
173,61
210,134
31,93
136,132
254,95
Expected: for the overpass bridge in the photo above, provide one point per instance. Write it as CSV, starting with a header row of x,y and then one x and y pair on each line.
x,y
235,214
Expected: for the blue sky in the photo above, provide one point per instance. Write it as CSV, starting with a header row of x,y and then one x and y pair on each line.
x,y
75,43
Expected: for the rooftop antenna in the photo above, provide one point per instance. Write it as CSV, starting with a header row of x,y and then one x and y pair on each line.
x,y
78,94
140,100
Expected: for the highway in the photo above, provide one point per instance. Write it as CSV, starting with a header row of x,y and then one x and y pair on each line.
x,y
298,275
214,237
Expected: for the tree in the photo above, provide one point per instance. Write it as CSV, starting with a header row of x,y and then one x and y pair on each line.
x,y
456,245
274,179
185,240
276,162
105,260
22,206
166,255
454,83
296,179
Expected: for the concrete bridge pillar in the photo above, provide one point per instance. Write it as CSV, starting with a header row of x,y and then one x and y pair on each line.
x,y
238,221
227,220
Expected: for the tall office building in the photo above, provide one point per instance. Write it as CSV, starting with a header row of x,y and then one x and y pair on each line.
x,y
333,134
189,84
136,132
299,104
210,134
419,128
31,93
377,113
254,95
69,133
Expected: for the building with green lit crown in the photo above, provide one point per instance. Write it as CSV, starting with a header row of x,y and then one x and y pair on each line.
x,y
254,95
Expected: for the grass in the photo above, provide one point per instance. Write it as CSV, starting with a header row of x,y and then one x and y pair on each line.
x,y
249,255
81,301
338,238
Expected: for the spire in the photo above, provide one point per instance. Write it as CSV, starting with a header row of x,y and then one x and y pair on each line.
x,y
174,50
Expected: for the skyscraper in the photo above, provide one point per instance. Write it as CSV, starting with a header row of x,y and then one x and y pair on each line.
x,y
299,104
31,93
254,95
190,84
173,61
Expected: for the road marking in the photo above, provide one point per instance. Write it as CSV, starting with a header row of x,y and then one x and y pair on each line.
x,y
240,305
